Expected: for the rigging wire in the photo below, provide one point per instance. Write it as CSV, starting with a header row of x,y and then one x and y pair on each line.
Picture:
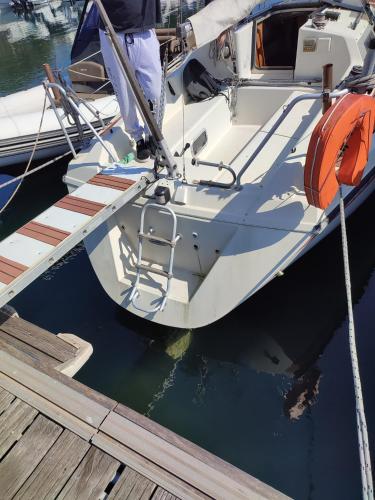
x,y
364,449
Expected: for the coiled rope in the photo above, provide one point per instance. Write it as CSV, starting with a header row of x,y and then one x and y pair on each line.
x,y
364,449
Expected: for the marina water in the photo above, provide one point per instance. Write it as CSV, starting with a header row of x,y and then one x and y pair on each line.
x,y
268,388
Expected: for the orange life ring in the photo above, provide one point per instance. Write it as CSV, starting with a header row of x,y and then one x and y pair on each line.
x,y
339,148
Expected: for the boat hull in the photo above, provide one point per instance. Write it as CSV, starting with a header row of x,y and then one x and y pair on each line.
x,y
235,238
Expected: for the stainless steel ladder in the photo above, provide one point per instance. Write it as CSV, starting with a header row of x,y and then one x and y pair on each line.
x,y
157,240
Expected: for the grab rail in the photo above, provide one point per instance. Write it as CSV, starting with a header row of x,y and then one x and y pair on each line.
x,y
288,108
220,166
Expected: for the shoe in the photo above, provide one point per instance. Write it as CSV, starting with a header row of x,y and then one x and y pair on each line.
x,y
143,151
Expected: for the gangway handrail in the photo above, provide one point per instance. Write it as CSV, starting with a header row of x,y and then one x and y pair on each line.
x,y
288,108
49,85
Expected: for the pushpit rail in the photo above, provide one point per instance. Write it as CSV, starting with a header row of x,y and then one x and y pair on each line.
x,y
50,85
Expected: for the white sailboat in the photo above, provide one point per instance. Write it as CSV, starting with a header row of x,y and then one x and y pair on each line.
x,y
246,196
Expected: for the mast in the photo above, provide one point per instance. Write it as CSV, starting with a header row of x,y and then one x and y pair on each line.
x,y
143,106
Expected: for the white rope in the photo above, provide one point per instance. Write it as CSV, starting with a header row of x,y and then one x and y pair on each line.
x,y
101,78
81,60
364,449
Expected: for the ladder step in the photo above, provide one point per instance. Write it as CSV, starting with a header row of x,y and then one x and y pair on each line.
x,y
154,270
158,239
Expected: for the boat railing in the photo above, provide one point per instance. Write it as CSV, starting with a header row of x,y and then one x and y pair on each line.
x,y
50,85
288,108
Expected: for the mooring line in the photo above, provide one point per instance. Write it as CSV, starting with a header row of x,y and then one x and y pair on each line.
x,y
364,448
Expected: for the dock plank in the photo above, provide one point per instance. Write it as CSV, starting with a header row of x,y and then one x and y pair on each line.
x,y
200,475
161,494
37,337
148,469
22,459
91,478
58,414
54,390
205,456
24,352
132,486
13,423
57,376
58,464
5,399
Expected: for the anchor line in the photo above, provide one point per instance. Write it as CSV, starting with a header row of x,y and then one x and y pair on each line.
x,y
363,443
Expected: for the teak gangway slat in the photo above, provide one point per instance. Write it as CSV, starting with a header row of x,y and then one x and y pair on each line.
x,y
40,243
59,439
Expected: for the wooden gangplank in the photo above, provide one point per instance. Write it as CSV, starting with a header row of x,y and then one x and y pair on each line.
x,y
40,243
59,439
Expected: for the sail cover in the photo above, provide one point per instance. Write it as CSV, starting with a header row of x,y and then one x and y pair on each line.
x,y
218,16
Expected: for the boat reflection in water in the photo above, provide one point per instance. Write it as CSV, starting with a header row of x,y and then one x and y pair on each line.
x,y
282,331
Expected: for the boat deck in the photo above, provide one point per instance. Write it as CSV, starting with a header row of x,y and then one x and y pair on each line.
x,y
61,439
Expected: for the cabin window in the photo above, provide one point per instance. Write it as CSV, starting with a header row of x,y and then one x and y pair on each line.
x,y
277,38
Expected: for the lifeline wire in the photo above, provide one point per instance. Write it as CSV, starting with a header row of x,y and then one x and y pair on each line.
x,y
364,449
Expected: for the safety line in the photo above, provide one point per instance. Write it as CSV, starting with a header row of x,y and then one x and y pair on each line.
x,y
364,449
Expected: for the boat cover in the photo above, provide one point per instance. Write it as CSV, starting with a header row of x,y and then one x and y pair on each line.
x,y
218,16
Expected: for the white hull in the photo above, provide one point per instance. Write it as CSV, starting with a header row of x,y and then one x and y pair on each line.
x,y
233,241
20,116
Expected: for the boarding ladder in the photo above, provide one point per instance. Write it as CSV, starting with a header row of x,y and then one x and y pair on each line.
x,y
148,268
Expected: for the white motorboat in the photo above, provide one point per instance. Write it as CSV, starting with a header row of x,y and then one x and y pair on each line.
x,y
20,117
21,112
250,190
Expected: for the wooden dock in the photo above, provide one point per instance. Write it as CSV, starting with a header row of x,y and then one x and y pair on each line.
x,y
60,439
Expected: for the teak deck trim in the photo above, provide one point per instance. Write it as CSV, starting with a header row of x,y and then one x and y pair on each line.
x,y
111,181
10,270
80,205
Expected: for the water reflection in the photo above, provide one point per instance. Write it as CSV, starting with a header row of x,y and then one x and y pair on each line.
x,y
171,10
281,331
30,38
46,33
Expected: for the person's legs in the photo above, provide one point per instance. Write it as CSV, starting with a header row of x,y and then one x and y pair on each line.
x,y
143,53
124,94
148,67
